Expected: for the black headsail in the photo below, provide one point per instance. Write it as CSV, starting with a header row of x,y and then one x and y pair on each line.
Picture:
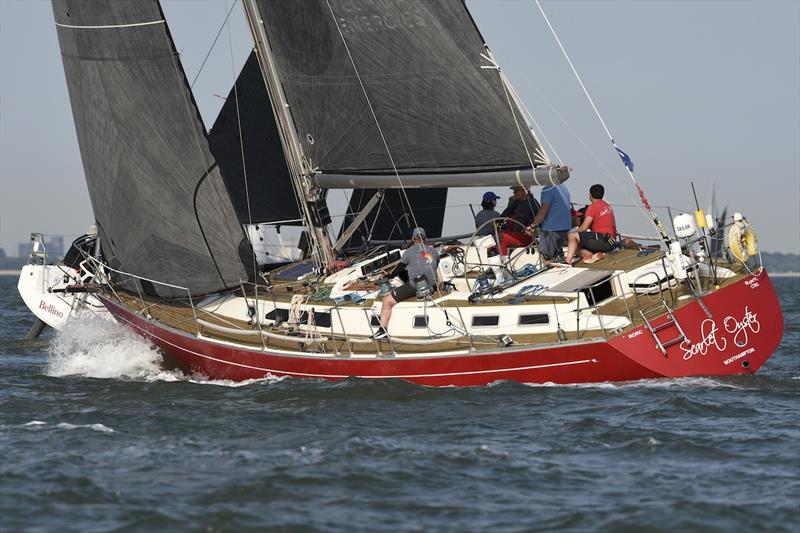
x,y
439,106
158,197
246,144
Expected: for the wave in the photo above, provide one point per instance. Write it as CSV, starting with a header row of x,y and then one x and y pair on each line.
x,y
39,424
96,348
660,383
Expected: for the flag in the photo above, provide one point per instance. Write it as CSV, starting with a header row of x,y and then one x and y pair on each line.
x,y
626,160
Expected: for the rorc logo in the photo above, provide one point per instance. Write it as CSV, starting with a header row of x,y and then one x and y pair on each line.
x,y
50,308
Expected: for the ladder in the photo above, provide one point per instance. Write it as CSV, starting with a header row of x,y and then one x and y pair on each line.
x,y
662,309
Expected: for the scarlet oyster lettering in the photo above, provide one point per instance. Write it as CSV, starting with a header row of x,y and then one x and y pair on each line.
x,y
708,329
740,329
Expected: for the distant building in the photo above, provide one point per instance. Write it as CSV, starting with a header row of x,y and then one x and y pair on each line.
x,y
53,244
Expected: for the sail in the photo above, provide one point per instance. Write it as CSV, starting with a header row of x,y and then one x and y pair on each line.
x,y
158,197
420,66
261,188
392,219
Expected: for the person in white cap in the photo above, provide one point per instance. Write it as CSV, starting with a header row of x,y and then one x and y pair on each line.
x,y
418,260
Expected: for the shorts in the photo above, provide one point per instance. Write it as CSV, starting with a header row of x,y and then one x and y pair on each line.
x,y
550,243
404,292
597,242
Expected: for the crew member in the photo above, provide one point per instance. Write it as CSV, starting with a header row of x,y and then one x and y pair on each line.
x,y
598,232
486,214
521,210
556,221
418,260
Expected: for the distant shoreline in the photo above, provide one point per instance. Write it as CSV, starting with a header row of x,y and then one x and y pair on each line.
x,y
10,272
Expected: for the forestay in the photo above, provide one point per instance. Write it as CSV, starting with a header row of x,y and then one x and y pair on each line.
x,y
158,197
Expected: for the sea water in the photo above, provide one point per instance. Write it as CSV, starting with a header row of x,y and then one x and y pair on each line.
x,y
96,436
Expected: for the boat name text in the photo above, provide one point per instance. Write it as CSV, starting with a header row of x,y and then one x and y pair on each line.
x,y
738,331
50,308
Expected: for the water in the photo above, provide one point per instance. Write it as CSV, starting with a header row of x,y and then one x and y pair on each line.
x,y
95,436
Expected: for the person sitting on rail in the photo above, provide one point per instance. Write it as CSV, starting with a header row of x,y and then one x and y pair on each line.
x,y
521,210
598,232
486,214
421,261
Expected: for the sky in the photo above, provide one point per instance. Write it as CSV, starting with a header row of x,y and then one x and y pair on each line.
x,y
702,91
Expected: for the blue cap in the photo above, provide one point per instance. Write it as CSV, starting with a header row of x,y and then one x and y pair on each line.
x,y
418,232
490,197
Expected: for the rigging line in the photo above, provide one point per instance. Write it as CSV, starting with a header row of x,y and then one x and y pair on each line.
x,y
642,196
594,156
503,81
529,116
241,137
208,54
372,111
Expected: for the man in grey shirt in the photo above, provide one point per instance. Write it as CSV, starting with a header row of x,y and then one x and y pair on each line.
x,y
486,214
419,260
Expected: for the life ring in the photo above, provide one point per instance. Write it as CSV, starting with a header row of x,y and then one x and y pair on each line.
x,y
742,241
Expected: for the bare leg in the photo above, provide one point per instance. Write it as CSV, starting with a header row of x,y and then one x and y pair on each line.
x,y
386,311
574,241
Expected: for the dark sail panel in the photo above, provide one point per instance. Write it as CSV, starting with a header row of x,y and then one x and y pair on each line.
x,y
157,194
420,63
264,177
391,219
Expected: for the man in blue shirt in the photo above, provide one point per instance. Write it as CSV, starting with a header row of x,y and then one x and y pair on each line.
x,y
556,221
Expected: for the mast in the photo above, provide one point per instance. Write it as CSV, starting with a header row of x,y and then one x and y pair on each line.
x,y
310,198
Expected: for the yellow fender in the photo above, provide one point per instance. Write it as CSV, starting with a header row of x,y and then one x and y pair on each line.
x,y
742,240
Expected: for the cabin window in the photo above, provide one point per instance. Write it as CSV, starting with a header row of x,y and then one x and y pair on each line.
x,y
486,320
280,315
421,321
322,320
534,319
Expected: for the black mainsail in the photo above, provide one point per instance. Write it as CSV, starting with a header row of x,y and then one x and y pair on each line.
x,y
161,206
422,67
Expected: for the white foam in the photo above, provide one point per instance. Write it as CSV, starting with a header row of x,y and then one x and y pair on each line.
x,y
35,423
94,427
661,383
97,348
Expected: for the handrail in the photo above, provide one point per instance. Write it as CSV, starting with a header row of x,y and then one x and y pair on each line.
x,y
165,284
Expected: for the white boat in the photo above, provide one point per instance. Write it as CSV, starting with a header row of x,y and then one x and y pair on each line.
x,y
58,289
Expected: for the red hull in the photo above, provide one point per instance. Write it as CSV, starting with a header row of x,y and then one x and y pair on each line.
x,y
746,328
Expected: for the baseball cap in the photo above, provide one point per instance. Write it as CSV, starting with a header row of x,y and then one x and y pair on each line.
x,y
489,196
418,232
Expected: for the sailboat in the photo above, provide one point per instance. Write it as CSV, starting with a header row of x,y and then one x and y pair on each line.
x,y
399,101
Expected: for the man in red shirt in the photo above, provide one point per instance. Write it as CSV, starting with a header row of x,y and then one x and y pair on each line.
x,y
598,232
